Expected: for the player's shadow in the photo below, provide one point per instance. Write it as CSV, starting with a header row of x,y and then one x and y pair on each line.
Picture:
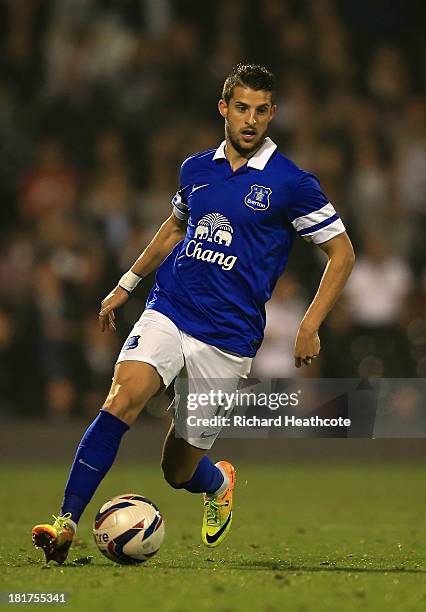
x,y
258,565
271,565
248,565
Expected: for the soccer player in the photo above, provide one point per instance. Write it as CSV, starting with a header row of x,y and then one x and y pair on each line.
x,y
218,257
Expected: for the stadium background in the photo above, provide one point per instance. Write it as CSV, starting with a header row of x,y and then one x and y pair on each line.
x,y
100,102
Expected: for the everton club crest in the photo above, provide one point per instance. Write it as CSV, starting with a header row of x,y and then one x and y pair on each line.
x,y
258,198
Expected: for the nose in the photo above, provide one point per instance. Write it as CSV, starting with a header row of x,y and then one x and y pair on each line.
x,y
252,118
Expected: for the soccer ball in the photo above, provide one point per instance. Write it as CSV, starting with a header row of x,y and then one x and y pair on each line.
x,y
129,529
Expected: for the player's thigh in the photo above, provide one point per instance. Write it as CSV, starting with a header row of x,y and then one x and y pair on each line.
x,y
155,340
204,395
206,362
133,385
179,459
150,359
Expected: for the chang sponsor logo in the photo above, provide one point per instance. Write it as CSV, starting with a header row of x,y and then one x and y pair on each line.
x,y
214,228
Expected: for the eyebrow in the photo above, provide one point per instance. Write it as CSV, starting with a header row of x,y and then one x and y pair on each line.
x,y
264,105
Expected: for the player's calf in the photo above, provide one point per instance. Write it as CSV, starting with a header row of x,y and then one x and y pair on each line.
x,y
180,462
176,475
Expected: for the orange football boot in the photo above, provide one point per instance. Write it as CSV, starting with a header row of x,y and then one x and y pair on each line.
x,y
56,539
217,517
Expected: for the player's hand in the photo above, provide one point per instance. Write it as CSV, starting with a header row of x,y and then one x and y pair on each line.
x,y
116,298
307,346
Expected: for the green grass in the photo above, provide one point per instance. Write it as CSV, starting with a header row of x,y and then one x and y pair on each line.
x,y
311,537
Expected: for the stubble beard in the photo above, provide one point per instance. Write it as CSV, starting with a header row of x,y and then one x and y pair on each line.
x,y
245,150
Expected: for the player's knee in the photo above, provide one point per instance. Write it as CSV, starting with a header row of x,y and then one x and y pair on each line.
x,y
124,402
175,475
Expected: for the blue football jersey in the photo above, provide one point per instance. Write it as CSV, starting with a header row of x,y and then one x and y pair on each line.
x,y
241,225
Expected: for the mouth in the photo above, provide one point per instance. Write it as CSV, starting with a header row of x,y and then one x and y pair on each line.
x,y
248,134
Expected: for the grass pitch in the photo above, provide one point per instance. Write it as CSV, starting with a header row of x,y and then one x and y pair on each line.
x,y
311,537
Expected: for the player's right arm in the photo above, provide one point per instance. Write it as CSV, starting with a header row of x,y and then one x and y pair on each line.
x,y
315,219
170,233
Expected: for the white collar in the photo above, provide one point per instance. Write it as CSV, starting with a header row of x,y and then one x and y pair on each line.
x,y
259,159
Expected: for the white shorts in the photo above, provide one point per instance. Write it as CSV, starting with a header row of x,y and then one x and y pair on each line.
x,y
202,368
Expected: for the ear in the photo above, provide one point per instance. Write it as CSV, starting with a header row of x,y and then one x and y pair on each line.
x,y
223,108
273,111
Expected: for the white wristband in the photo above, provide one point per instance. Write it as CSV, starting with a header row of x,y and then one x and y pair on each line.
x,y
129,280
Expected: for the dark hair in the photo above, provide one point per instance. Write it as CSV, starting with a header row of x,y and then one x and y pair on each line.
x,y
248,75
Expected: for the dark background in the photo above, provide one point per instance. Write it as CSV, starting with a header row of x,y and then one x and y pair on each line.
x,y
101,101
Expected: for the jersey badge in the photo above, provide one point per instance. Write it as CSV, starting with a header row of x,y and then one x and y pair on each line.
x,y
258,197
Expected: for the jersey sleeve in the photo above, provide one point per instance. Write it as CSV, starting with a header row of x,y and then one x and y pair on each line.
x,y
311,214
179,201
180,207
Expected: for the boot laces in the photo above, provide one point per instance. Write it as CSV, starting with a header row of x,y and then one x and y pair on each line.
x,y
61,522
213,511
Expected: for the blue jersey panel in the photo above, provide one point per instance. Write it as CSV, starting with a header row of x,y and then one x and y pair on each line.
x,y
241,225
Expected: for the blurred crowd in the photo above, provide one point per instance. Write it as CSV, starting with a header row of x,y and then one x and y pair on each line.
x,y
100,102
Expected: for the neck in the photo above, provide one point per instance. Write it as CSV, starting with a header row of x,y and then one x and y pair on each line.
x,y
237,159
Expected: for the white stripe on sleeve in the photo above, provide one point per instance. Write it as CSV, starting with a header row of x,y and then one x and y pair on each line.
x,y
326,233
317,216
179,214
180,209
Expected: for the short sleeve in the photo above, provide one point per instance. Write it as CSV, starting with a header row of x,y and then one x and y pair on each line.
x,y
180,207
311,214
179,201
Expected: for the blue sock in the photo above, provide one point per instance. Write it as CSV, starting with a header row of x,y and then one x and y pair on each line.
x,y
207,478
95,455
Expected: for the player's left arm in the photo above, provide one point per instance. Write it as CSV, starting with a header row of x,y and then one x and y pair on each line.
x,y
341,260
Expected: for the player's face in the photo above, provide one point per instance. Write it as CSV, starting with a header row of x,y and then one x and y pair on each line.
x,y
247,117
